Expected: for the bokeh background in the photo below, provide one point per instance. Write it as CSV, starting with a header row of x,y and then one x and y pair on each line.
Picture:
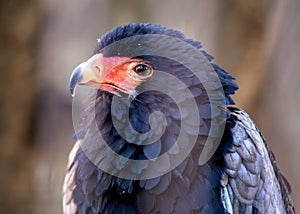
x,y
41,41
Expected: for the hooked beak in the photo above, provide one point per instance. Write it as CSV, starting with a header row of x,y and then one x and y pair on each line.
x,y
87,73
75,78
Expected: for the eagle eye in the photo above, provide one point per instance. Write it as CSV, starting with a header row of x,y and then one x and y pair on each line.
x,y
142,70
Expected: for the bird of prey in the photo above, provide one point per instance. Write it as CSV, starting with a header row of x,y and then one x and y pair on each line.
x,y
161,133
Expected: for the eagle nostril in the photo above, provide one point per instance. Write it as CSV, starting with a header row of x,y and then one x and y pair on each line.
x,y
98,68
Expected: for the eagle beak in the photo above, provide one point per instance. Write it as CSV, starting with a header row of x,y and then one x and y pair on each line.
x,y
87,73
75,78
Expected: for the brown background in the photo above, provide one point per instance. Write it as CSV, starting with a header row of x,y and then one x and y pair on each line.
x,y
41,41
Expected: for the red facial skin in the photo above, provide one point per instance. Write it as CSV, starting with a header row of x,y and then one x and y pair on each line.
x,y
116,74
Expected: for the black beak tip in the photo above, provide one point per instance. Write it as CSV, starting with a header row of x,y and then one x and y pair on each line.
x,y
74,79
72,91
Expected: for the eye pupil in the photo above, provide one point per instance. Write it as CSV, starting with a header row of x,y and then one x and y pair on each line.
x,y
141,69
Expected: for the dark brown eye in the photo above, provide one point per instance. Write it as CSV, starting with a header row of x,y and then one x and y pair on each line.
x,y
142,69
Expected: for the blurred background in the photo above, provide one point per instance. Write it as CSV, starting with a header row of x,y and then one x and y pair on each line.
x,y
41,41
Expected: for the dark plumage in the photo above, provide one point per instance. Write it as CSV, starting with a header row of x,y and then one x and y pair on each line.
x,y
241,176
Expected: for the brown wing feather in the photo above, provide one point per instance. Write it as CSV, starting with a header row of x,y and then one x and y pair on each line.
x,y
284,184
253,180
69,207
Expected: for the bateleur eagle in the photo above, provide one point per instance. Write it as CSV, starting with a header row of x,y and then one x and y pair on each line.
x,y
161,133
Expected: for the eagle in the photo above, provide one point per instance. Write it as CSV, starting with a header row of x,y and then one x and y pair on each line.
x,y
160,133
